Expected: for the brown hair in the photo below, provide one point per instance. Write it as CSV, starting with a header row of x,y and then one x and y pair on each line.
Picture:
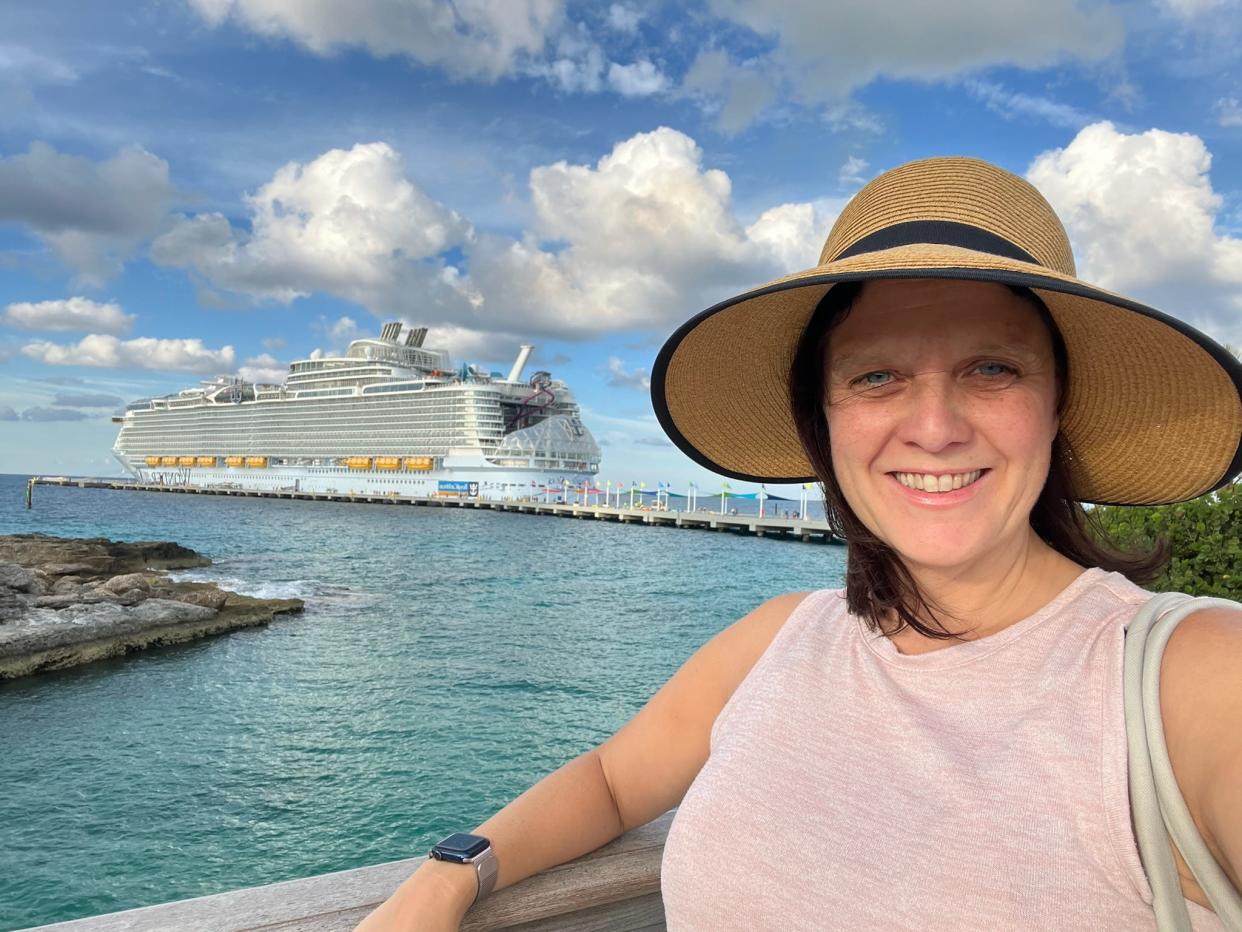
x,y
877,582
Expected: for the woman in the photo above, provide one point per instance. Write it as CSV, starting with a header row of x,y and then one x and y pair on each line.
x,y
941,744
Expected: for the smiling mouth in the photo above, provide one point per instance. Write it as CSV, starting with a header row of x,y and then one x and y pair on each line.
x,y
950,482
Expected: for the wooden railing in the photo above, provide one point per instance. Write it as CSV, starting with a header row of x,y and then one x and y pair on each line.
x,y
615,888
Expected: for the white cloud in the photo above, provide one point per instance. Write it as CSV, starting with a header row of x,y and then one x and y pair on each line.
x,y
68,315
641,79
1141,213
1189,9
274,343
620,377
638,239
793,234
823,51
1016,105
647,233
467,38
624,18
107,352
1228,111
465,343
348,223
735,93
578,64
851,174
92,214
29,65
264,369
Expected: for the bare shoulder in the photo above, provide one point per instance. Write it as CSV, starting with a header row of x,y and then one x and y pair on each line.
x,y
1200,685
1201,705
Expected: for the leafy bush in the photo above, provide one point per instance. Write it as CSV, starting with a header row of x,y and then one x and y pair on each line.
x,y
1205,536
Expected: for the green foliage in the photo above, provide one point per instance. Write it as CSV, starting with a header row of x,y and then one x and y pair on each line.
x,y
1204,534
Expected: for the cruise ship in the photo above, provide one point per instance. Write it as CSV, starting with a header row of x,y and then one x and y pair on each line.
x,y
387,417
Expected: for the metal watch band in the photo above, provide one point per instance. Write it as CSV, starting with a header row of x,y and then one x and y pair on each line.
x,y
486,868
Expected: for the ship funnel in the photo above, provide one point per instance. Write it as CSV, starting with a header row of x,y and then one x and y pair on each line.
x,y
414,336
520,363
391,331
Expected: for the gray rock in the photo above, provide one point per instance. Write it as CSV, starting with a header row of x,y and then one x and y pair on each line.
x,y
12,606
66,585
126,582
80,597
211,598
166,611
99,615
68,569
16,577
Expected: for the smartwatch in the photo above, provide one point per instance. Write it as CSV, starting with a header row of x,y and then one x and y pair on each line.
x,y
464,848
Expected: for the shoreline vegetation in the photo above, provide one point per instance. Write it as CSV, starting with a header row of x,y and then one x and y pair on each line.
x,y
1204,535
67,601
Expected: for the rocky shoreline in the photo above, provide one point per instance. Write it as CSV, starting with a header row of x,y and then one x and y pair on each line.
x,y
67,601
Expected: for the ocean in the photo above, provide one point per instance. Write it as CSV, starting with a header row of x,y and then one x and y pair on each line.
x,y
447,659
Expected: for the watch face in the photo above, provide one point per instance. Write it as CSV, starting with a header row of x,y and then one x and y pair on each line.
x,y
459,846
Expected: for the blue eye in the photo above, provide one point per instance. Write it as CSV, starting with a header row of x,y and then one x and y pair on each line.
x,y
866,378
1004,369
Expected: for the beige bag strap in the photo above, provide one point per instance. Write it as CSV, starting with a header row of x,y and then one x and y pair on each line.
x,y
1159,811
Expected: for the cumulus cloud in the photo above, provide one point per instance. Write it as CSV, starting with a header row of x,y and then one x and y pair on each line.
x,y
92,214
68,315
264,369
108,352
86,400
620,377
637,239
348,223
648,234
641,79
1142,216
476,39
8,414
38,413
466,343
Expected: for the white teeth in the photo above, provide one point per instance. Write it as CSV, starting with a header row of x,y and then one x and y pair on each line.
x,y
925,483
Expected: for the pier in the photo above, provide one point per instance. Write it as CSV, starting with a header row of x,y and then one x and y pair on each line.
x,y
703,520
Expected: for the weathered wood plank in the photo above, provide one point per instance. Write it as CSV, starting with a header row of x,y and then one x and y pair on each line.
x,y
613,889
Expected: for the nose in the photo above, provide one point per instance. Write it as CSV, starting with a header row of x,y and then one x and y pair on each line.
x,y
934,415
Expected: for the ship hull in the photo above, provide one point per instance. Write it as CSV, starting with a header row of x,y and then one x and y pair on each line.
x,y
485,482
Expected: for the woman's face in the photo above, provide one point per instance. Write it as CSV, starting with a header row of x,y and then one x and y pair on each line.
x,y
936,384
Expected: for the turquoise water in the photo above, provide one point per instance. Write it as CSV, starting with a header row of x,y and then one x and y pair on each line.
x,y
447,659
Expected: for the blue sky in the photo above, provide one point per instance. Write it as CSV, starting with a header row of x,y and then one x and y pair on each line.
x,y
198,186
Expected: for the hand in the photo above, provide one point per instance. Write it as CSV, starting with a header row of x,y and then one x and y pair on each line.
x,y
433,899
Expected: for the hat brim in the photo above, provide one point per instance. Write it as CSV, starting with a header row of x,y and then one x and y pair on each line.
x,y
1153,410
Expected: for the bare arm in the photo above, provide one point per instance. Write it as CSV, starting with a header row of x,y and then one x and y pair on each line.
x,y
637,774
1201,704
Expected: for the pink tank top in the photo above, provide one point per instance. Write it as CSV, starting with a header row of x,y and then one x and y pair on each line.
x,y
981,786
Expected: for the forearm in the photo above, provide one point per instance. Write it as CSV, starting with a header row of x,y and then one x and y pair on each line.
x,y
565,815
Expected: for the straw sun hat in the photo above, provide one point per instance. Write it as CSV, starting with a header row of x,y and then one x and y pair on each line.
x,y
1153,411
